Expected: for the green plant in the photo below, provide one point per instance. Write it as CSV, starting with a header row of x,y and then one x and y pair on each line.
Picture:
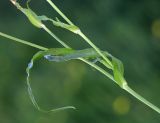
x,y
64,54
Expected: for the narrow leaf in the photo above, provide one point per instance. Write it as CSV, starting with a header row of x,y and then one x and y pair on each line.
x,y
118,71
56,55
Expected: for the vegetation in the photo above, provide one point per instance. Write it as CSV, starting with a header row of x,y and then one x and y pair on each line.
x,y
102,61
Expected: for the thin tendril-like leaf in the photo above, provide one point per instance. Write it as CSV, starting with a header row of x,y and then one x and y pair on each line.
x,y
61,55
30,66
57,55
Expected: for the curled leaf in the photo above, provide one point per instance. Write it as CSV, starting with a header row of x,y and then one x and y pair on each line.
x,y
65,54
30,66
118,71
57,55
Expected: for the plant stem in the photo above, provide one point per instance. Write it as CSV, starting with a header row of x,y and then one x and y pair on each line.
x,y
126,87
139,97
82,59
96,48
44,48
59,12
55,37
107,64
99,69
22,41
80,33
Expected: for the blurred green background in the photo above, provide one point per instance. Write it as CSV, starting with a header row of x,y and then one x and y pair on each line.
x,y
128,29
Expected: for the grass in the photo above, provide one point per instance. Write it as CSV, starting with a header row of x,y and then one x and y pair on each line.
x,y
67,53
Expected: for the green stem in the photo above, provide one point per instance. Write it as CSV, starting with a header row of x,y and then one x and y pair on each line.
x,y
96,48
99,69
22,41
139,97
59,11
127,88
44,48
55,37
80,33
106,65
84,60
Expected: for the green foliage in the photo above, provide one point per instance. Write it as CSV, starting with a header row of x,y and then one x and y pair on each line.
x,y
66,54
